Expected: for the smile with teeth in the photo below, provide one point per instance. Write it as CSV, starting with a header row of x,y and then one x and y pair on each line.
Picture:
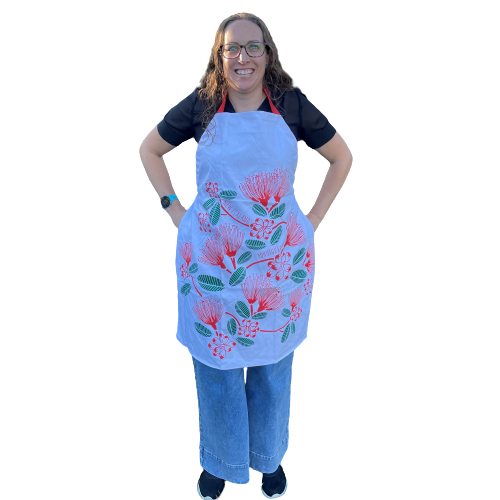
x,y
244,71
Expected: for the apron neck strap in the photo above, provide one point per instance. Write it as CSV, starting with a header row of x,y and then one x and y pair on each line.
x,y
273,107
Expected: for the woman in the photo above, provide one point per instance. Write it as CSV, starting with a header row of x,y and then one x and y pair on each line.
x,y
245,250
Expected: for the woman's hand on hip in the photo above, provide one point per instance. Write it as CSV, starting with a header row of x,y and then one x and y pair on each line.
x,y
176,213
314,220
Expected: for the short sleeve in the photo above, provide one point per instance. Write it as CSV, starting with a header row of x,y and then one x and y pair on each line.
x,y
315,129
177,126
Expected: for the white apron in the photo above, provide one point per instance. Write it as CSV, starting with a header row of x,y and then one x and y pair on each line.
x,y
245,250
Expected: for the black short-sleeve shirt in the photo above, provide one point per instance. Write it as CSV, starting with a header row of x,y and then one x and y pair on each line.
x,y
306,122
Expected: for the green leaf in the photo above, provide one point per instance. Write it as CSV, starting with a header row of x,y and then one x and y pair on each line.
x,y
232,326
186,289
299,276
277,212
209,203
202,329
245,342
210,283
242,309
260,315
299,256
227,195
255,244
214,215
193,268
293,328
259,210
286,333
238,276
286,312
277,235
244,257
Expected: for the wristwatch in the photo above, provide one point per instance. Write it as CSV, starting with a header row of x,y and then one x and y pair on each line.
x,y
167,200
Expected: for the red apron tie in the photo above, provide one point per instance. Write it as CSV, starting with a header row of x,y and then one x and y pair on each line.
x,y
273,107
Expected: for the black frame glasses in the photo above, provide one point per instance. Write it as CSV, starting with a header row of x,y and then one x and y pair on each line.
x,y
221,48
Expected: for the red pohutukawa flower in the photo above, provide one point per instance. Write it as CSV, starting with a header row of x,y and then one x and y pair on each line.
x,y
270,298
308,286
209,310
262,228
213,252
296,314
204,223
282,185
185,271
311,260
232,238
279,267
187,251
248,328
259,187
252,285
212,189
294,232
220,345
294,297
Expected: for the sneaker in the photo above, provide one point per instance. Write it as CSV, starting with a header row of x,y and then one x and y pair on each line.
x,y
210,487
274,485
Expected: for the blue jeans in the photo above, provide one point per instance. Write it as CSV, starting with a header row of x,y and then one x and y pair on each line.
x,y
242,424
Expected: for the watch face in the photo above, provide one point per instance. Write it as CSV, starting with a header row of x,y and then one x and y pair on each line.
x,y
165,201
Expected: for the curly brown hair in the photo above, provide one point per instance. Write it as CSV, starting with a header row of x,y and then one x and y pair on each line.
x,y
213,84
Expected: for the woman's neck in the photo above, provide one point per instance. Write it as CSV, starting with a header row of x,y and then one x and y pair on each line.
x,y
250,101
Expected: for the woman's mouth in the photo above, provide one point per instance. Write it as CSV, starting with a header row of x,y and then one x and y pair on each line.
x,y
244,72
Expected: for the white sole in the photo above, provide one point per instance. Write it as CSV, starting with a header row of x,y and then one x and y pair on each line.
x,y
276,495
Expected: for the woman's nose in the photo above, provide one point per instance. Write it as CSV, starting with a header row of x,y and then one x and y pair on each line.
x,y
243,55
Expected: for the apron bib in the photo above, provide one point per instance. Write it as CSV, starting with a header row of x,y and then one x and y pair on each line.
x,y
245,250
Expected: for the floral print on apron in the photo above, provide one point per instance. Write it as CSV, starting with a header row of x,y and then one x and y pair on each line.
x,y
245,250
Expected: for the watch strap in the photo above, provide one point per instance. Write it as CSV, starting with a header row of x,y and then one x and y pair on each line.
x,y
166,201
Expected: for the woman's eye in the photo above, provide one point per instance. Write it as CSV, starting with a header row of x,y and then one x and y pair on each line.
x,y
233,48
254,47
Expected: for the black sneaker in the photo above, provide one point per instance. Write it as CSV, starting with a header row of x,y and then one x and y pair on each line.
x,y
210,487
274,485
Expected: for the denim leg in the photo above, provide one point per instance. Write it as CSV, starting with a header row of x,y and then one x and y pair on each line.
x,y
223,413
268,390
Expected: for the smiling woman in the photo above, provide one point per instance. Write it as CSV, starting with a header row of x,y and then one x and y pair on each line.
x,y
245,252
223,74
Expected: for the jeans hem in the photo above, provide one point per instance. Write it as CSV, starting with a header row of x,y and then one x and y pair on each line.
x,y
238,474
261,463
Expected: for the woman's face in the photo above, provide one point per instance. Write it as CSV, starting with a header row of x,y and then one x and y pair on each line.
x,y
244,73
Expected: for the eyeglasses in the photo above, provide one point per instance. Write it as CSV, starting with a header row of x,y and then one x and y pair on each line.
x,y
253,49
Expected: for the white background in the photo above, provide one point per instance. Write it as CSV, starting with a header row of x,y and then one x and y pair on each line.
x,y
395,393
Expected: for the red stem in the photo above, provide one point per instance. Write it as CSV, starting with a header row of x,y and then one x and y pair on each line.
x,y
269,211
263,260
234,318
277,329
195,287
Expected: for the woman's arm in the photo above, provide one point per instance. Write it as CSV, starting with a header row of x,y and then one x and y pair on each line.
x,y
340,158
151,151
